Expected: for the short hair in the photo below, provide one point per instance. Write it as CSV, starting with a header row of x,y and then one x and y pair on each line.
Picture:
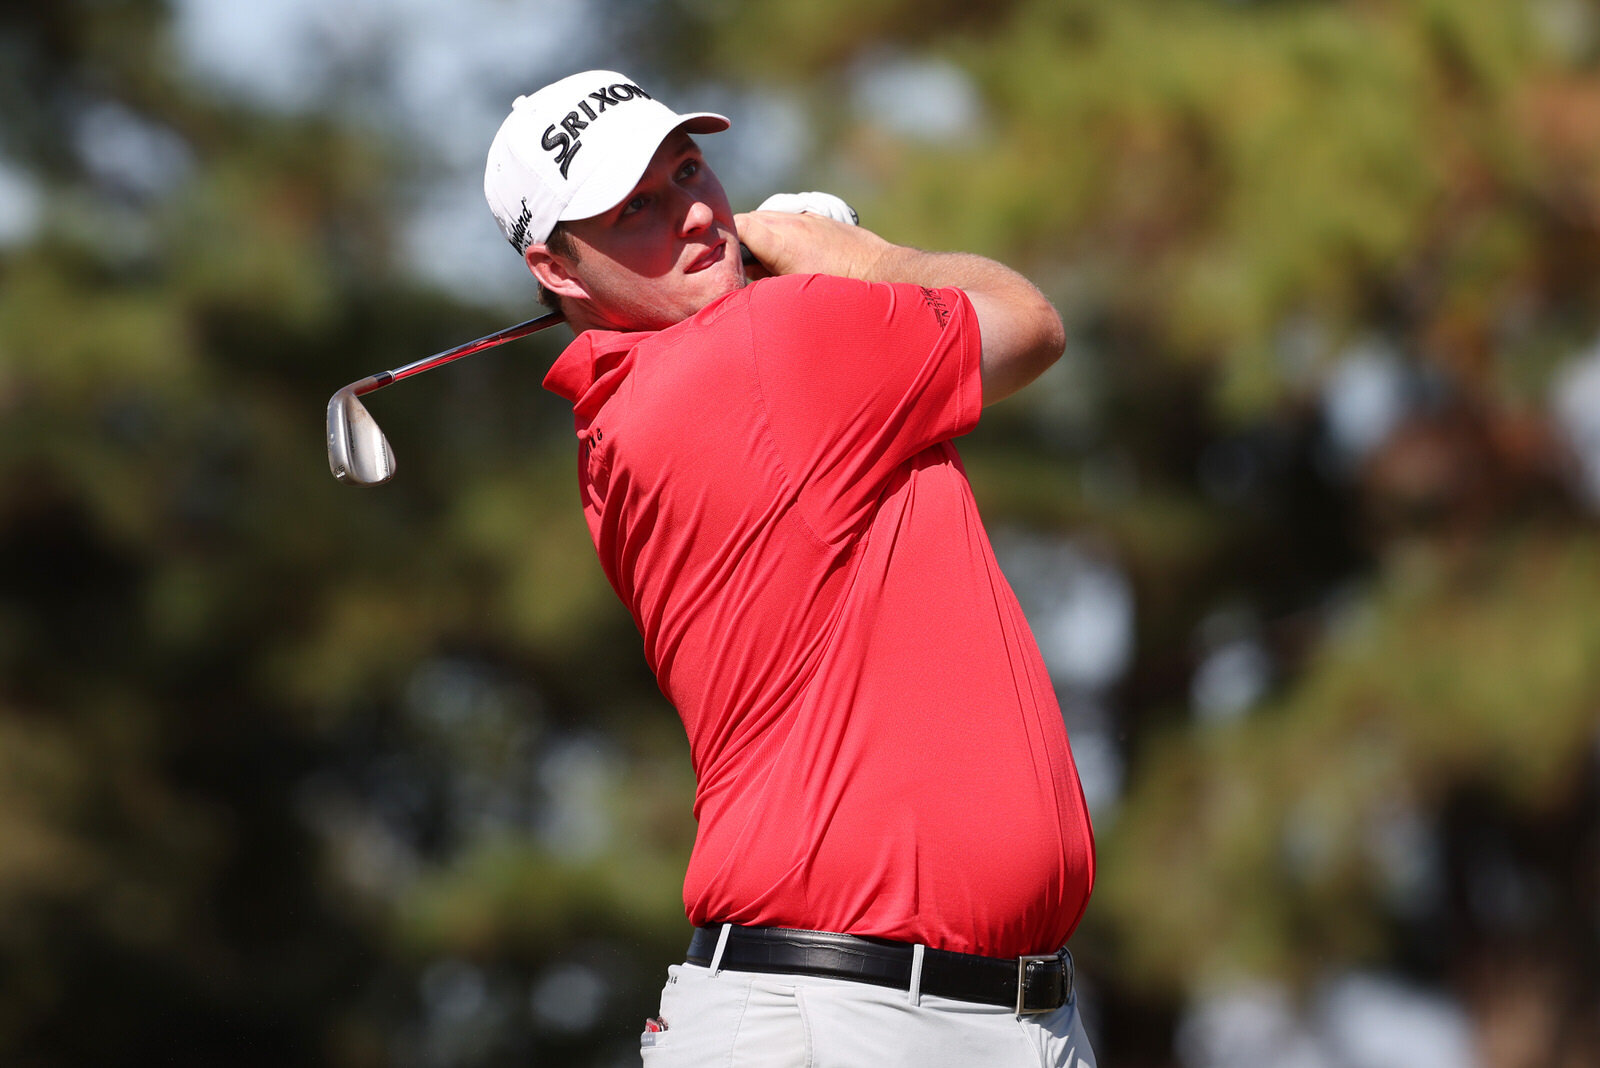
x,y
560,243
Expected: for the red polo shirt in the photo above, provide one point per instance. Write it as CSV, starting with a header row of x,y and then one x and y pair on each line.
x,y
773,493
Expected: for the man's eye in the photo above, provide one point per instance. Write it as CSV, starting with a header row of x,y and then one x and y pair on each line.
x,y
636,204
690,169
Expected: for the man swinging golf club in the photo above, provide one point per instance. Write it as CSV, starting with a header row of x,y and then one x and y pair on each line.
x,y
892,844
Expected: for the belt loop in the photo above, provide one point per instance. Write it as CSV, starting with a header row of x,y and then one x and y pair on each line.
x,y
722,944
917,952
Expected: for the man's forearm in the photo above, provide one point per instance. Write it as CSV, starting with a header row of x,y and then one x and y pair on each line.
x,y
963,270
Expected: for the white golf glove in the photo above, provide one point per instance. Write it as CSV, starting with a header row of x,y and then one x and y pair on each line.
x,y
811,204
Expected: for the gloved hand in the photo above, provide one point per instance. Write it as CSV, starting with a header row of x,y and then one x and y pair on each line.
x,y
811,204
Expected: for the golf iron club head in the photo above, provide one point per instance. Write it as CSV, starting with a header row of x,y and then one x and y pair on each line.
x,y
358,453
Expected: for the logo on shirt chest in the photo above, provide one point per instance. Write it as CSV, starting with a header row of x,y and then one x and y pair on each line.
x,y
595,462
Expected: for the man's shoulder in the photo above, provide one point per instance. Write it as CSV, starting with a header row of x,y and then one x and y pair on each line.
x,y
786,287
806,303
778,291
759,305
764,317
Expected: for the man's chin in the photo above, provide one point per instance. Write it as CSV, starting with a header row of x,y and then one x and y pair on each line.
x,y
719,280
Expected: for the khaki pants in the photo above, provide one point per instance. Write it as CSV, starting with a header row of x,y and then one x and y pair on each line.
x,y
752,1020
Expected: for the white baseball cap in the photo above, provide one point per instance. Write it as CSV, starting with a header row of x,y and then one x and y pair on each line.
x,y
574,149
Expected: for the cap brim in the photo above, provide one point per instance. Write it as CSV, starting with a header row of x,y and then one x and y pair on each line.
x,y
621,171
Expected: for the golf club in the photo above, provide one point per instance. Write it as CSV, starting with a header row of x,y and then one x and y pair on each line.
x,y
358,453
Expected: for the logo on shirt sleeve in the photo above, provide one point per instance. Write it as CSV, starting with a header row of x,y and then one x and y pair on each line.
x,y
934,300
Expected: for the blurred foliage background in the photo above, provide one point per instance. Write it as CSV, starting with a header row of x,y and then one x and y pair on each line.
x,y
294,774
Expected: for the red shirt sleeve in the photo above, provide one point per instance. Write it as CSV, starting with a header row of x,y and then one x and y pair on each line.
x,y
857,379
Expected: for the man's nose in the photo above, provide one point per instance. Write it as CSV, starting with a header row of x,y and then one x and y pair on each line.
x,y
699,216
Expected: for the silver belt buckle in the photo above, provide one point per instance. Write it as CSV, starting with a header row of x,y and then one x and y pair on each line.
x,y
1022,980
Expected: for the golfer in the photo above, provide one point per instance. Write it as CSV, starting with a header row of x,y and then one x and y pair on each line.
x,y
892,846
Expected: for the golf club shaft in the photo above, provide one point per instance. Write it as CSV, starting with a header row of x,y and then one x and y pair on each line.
x,y
499,337
428,363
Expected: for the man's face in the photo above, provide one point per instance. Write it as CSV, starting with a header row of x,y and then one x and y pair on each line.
x,y
661,255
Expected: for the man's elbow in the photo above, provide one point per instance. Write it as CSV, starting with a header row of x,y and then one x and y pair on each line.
x,y
1022,336
1040,343
1052,336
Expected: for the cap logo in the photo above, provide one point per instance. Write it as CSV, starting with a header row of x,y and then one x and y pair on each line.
x,y
563,138
519,231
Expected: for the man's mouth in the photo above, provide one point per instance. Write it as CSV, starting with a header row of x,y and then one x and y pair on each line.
x,y
709,257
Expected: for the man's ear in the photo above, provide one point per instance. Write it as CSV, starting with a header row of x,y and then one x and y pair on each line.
x,y
554,272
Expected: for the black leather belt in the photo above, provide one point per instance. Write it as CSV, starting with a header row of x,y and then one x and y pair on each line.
x,y
1023,984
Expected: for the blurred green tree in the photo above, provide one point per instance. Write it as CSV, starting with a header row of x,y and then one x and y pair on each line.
x,y
238,809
